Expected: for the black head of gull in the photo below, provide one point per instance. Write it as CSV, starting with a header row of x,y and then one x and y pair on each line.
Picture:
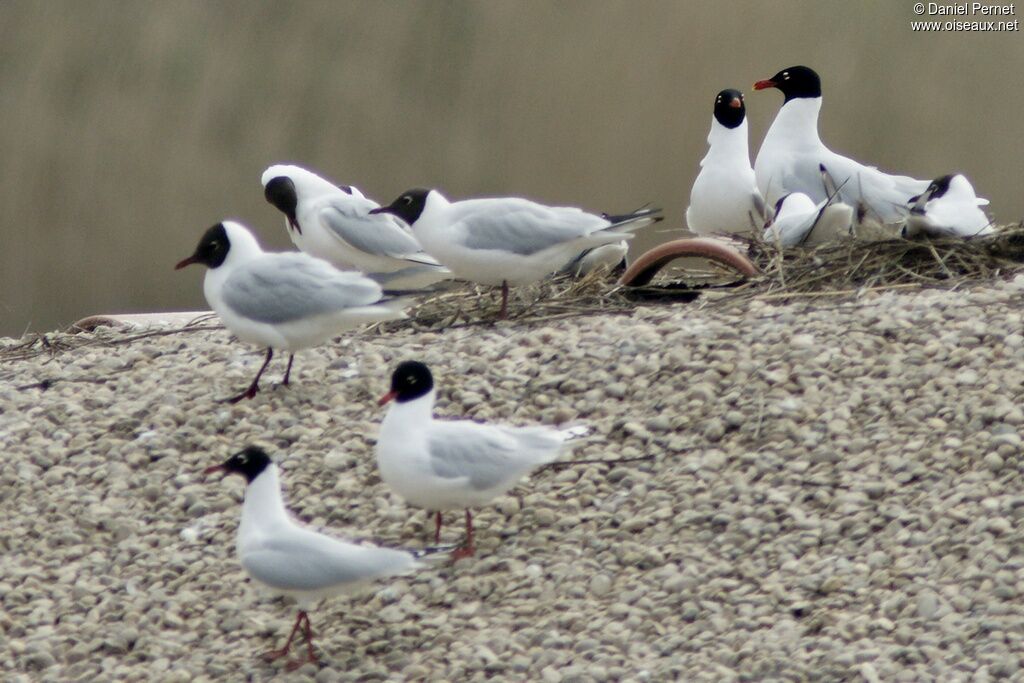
x,y
212,249
794,82
410,380
729,108
249,463
409,206
280,192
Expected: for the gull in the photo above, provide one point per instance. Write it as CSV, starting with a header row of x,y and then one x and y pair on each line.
x,y
507,240
288,301
295,562
948,208
798,220
452,465
724,197
334,223
792,153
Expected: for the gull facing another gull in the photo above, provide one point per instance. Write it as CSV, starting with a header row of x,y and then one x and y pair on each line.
x,y
292,561
288,301
724,197
507,240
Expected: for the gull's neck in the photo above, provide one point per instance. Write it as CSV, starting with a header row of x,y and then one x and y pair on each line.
x,y
410,414
263,507
727,144
796,124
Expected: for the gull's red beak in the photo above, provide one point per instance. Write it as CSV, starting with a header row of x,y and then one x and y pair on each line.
x,y
295,224
736,103
213,470
185,262
387,398
379,209
763,85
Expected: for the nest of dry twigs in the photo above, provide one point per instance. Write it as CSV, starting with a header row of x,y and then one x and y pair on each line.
x,y
462,304
850,267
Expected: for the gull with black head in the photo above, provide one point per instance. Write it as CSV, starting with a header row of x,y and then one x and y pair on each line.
x,y
724,198
792,153
290,560
334,223
453,465
507,240
287,301
948,208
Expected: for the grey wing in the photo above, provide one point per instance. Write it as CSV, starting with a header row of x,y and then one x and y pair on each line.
x,y
484,455
300,565
279,288
378,234
522,227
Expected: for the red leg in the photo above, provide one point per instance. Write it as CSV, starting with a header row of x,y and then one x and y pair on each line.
x,y
504,301
466,550
255,386
271,655
288,372
437,527
307,631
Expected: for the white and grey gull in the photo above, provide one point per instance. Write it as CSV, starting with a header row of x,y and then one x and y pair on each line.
x,y
443,465
334,223
507,240
289,560
287,301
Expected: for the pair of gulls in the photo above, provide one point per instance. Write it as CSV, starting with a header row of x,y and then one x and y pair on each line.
x,y
292,301
817,195
436,465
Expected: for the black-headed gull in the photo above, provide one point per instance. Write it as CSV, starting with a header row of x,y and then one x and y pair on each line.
x,y
948,208
453,465
507,240
295,562
792,153
288,301
334,223
724,197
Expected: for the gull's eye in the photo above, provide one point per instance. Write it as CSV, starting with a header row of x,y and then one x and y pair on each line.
x,y
411,379
785,74
242,459
407,200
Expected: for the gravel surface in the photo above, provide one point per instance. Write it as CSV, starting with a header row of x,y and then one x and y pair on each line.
x,y
835,495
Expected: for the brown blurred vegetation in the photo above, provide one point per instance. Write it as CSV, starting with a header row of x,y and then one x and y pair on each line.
x,y
129,127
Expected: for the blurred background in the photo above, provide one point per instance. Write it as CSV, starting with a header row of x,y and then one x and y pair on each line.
x,y
127,128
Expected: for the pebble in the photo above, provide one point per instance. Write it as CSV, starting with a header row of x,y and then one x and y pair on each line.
x,y
822,500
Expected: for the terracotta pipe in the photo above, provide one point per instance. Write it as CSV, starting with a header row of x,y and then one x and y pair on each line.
x,y
643,270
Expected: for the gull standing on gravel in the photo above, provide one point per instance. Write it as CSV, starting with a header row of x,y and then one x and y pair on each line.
x,y
507,241
792,153
288,301
453,465
334,223
724,197
295,562
948,208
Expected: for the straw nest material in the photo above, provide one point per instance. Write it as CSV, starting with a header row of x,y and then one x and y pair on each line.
x,y
845,268
851,267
